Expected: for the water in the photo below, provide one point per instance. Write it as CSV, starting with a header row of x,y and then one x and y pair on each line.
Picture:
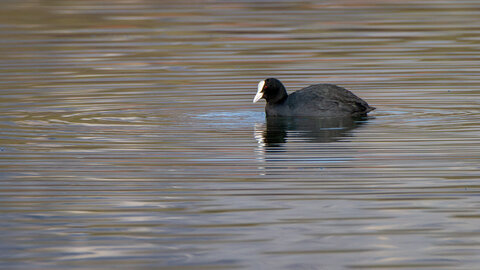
x,y
129,139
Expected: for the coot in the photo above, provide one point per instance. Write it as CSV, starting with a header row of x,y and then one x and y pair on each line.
x,y
314,100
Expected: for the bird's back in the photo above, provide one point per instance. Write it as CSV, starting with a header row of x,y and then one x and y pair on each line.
x,y
326,100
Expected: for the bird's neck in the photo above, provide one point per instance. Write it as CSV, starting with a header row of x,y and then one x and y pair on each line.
x,y
279,98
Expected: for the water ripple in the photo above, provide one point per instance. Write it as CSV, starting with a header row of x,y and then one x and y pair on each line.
x,y
128,135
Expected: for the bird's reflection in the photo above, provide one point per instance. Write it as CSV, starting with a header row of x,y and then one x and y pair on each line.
x,y
274,136
278,130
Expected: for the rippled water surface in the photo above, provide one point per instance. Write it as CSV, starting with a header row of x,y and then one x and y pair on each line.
x,y
129,139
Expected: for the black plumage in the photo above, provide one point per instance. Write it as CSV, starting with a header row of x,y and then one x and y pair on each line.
x,y
326,100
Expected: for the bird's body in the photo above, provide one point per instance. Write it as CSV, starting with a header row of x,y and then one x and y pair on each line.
x,y
319,100
325,100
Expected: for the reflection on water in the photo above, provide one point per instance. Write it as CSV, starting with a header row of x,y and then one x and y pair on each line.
x,y
126,135
310,129
315,131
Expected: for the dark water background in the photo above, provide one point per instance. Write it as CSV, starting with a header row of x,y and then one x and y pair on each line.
x,y
128,139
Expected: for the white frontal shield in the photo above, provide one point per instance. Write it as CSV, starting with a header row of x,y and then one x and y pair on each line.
x,y
259,94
